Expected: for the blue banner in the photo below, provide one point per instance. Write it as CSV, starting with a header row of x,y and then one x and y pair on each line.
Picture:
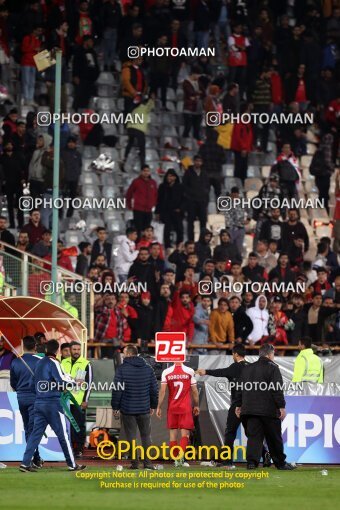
x,y
12,434
311,429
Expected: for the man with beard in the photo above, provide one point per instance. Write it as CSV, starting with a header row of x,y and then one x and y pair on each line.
x,y
227,250
299,316
169,205
282,272
182,319
143,271
259,316
201,320
292,228
163,309
202,246
81,370
242,323
272,228
179,257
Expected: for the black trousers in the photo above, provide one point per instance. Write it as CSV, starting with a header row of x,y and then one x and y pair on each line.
x,y
159,80
143,422
196,210
173,222
12,203
192,121
141,220
233,423
323,184
240,166
139,137
78,438
71,192
259,428
216,182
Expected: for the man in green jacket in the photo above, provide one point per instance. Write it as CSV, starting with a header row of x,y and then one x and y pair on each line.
x,y
308,367
137,129
81,370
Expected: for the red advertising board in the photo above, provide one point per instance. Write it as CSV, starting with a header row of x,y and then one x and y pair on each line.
x,y
170,347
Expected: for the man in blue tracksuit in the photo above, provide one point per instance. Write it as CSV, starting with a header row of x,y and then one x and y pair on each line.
x,y
21,379
49,381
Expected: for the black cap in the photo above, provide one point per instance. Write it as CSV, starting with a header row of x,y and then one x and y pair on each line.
x,y
277,299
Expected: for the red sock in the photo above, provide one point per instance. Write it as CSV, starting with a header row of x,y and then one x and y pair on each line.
x,y
184,443
176,450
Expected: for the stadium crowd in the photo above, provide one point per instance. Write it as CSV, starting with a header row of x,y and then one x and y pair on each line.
x,y
270,57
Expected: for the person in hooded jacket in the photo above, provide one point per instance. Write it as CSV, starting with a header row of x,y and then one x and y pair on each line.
x,y
226,250
35,169
202,246
169,207
259,316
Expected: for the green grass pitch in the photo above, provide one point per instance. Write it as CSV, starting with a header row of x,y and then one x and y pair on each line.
x,y
55,488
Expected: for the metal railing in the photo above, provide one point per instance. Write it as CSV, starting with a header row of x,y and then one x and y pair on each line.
x,y
24,276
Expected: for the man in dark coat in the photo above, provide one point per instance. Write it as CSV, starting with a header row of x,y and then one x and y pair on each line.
x,y
226,250
196,192
85,73
213,156
202,246
262,410
169,207
135,394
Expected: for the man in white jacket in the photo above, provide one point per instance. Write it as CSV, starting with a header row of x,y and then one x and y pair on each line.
x,y
126,253
259,316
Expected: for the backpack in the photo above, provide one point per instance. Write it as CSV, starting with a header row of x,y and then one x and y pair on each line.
x,y
318,165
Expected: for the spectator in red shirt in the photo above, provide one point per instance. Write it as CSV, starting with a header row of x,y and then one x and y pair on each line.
x,y
63,260
183,313
130,317
30,46
141,198
242,144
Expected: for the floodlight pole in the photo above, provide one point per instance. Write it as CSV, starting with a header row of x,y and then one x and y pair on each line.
x,y
56,162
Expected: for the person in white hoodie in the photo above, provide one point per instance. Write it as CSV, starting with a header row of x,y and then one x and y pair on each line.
x,y
126,253
259,316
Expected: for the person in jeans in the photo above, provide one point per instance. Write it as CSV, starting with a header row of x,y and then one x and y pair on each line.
x,y
135,396
30,46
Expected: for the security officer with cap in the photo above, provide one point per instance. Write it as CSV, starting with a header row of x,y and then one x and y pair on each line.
x,y
308,367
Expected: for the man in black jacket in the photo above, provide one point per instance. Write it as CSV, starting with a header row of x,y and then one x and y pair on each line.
x,y
226,250
262,409
85,73
196,192
213,159
135,395
169,207
202,246
143,271
233,374
73,163
242,323
101,246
